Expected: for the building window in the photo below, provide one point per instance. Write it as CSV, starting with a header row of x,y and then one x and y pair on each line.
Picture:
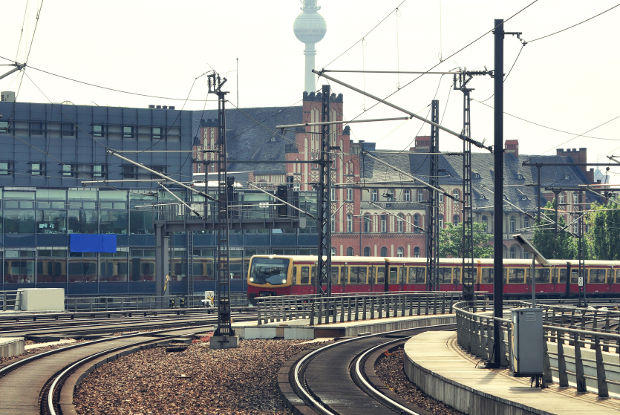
x,y
373,195
367,224
526,222
383,223
400,252
36,169
128,131
485,223
98,130
407,195
36,128
366,251
4,127
455,219
400,223
420,196
333,251
349,223
350,251
129,171
67,129
332,224
98,170
440,221
561,198
5,168
416,252
513,224
66,170
333,194
440,197
416,223
513,252
156,133
456,194
383,251
349,195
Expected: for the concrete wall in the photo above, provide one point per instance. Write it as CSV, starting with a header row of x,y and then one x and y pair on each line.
x,y
41,299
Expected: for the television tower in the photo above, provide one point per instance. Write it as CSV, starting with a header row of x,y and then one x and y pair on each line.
x,y
309,28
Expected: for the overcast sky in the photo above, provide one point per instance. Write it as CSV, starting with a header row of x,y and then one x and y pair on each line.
x,y
567,83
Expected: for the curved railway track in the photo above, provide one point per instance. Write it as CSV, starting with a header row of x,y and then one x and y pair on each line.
x,y
339,378
33,385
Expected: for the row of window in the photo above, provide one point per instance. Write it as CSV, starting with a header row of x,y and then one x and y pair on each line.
x,y
363,274
66,169
68,129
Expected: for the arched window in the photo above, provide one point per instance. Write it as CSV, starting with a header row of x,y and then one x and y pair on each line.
x,y
366,251
455,219
383,251
456,194
416,223
400,223
350,251
400,252
349,223
367,224
416,252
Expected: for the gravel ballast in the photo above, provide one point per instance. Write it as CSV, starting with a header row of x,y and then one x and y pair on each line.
x,y
204,381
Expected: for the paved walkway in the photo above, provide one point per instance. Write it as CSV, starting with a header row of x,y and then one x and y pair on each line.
x,y
457,378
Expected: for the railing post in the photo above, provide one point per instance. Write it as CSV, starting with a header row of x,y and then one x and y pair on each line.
x,y
547,376
348,308
427,305
403,299
356,299
561,360
443,303
364,308
372,307
410,304
381,305
580,378
600,370
312,313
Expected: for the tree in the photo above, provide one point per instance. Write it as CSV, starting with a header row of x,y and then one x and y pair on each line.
x,y
451,241
603,236
552,245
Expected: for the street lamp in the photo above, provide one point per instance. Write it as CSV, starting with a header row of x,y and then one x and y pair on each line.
x,y
536,256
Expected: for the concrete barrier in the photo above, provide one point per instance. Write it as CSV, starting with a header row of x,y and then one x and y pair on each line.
x,y
11,346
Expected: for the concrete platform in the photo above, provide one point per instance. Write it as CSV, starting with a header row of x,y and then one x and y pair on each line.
x,y
435,363
301,330
11,346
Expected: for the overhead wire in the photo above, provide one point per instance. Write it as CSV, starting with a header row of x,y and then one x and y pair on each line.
x,y
36,25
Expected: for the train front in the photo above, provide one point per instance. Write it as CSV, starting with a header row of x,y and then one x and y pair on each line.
x,y
269,275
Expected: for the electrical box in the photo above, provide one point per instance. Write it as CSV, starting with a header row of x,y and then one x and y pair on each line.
x,y
526,354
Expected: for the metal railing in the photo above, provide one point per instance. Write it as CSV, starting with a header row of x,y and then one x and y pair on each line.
x,y
146,302
589,359
354,307
8,300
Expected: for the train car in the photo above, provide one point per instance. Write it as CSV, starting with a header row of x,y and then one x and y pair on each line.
x,y
296,274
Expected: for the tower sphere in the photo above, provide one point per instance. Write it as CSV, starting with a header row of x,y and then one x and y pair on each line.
x,y
309,26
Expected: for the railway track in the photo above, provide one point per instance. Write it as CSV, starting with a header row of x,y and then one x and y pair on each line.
x,y
339,378
34,385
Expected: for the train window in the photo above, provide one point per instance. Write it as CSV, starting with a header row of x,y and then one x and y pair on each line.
x,y
562,272
542,275
294,278
380,275
344,274
574,275
196,269
618,276
305,275
334,275
445,275
371,275
554,275
393,275
487,275
597,276
403,275
416,275
358,275
456,278
313,276
516,275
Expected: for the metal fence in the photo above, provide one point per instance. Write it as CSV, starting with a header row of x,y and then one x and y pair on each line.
x,y
354,307
8,300
146,302
589,359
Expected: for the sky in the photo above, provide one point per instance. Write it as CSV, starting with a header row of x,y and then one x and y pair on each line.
x,y
561,91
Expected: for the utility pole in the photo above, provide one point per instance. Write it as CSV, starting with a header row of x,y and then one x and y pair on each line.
x,y
467,245
432,236
498,150
224,336
324,202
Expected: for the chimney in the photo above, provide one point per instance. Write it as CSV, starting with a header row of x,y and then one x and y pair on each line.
x,y
422,144
512,147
